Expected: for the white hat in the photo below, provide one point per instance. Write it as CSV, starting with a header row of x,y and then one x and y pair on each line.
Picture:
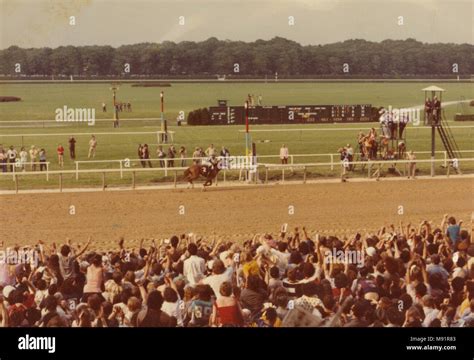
x,y
7,290
370,251
373,297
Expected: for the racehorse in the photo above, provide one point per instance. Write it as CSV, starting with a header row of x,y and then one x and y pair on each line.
x,y
209,172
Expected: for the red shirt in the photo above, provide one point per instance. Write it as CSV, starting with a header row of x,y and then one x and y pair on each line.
x,y
229,315
60,150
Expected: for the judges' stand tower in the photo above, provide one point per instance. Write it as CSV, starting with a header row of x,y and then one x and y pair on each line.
x,y
434,117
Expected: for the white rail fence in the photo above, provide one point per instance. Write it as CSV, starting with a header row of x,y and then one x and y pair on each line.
x,y
164,163
370,164
18,167
255,177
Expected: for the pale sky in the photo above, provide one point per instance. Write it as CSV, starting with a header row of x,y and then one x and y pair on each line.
x,y
38,23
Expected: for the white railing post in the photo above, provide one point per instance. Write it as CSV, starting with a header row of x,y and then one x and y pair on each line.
x,y
13,171
47,171
121,169
445,158
166,167
332,161
77,170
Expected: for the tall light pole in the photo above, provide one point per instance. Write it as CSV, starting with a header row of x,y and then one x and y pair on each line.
x,y
247,128
162,101
114,96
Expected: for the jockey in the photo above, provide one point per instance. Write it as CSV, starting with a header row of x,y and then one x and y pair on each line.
x,y
211,162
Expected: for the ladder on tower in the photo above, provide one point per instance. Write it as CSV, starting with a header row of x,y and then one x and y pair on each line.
x,y
448,141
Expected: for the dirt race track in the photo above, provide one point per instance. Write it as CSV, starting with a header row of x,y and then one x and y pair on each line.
x,y
229,213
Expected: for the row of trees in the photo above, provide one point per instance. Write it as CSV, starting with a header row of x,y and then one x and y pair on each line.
x,y
259,58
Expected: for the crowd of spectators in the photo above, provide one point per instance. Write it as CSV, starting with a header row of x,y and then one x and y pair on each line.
x,y
403,276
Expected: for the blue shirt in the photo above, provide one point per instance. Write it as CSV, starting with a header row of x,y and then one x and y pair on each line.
x,y
453,233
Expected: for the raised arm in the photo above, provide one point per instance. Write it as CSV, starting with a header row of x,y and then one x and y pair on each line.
x,y
395,247
318,252
305,233
216,247
84,249
400,228
296,238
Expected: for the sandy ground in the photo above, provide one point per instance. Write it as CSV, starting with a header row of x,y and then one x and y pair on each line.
x,y
229,213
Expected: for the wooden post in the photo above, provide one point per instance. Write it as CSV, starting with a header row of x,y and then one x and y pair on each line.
x,y
60,182
133,179
103,181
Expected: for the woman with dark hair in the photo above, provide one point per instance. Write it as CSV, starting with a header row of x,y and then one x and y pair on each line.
x,y
94,278
52,272
254,295
152,316
413,317
173,305
50,306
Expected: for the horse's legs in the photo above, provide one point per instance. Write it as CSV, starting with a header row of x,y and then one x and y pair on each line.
x,y
190,182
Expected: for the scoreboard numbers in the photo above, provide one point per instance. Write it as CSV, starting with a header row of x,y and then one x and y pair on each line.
x,y
301,114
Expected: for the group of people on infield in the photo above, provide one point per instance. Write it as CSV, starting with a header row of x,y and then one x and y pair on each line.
x,y
403,275
167,156
36,158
